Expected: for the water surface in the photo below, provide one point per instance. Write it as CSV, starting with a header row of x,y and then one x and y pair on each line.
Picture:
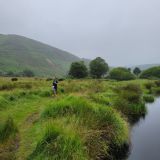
x,y
145,136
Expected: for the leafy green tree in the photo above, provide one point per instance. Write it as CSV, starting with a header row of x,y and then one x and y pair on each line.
x,y
153,72
98,67
28,73
137,71
78,70
121,73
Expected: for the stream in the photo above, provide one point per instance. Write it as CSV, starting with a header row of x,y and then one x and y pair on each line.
x,y
145,135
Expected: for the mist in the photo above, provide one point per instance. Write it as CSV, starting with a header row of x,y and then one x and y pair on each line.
x,y
122,32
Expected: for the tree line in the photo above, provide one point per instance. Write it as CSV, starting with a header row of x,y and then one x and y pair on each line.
x,y
99,68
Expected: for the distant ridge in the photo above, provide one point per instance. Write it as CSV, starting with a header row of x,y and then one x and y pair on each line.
x,y
145,66
18,53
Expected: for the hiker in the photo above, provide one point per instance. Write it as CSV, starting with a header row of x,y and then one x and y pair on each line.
x,y
54,86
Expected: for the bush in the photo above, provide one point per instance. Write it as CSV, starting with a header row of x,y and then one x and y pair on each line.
x,y
148,98
153,72
7,129
14,79
121,73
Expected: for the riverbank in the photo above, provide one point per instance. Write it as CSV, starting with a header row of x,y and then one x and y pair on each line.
x,y
88,119
145,144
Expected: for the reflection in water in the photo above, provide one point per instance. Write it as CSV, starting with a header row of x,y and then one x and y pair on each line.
x,y
145,135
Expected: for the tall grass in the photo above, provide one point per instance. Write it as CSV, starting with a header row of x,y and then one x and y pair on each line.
x,y
7,129
58,144
148,98
3,103
129,101
104,124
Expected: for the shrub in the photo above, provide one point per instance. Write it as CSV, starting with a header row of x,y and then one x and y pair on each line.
x,y
7,129
14,79
153,72
121,73
148,98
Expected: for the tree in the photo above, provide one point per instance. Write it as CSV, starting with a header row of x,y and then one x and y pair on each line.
x,y
137,71
153,72
98,67
121,73
28,73
78,70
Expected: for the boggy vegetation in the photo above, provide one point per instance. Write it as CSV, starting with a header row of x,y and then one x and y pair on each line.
x,y
89,119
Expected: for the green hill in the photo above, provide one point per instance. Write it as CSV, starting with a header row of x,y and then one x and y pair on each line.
x,y
145,66
18,53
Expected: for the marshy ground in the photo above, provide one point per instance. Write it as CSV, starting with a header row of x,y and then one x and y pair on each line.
x,y
88,119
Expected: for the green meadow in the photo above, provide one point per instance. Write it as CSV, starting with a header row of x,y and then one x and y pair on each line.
x,y
88,119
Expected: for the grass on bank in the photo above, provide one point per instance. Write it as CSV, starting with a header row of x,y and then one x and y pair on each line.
x,y
84,116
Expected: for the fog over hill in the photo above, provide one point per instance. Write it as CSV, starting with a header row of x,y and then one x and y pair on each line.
x,y
18,53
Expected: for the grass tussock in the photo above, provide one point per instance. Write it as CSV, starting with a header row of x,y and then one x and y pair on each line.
x,y
58,144
7,129
148,98
104,124
129,101
3,103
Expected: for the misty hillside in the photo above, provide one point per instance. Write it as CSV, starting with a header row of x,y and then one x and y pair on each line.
x,y
18,53
145,66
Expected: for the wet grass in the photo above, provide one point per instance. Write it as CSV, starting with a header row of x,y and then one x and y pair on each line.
x,y
148,98
86,120
7,130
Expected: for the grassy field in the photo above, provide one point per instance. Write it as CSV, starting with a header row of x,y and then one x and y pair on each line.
x,y
88,119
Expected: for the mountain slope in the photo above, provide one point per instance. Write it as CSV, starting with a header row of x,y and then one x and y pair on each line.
x,y
18,53
145,66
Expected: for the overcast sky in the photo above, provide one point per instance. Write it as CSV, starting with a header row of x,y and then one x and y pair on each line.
x,y
123,32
